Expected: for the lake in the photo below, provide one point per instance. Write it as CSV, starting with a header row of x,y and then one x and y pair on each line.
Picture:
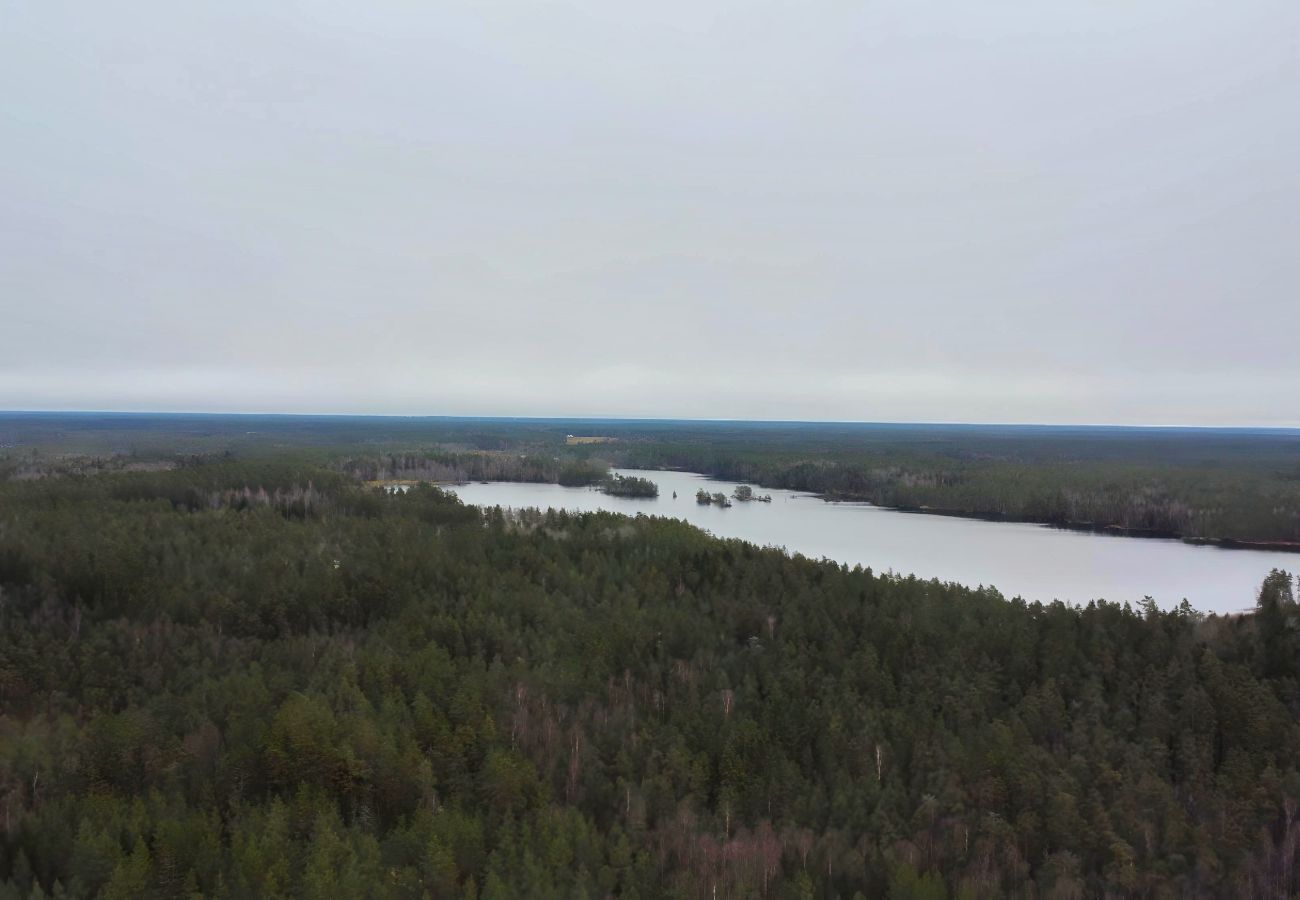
x,y
1031,561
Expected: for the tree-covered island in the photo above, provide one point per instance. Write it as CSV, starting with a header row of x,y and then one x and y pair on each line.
x,y
629,486
717,498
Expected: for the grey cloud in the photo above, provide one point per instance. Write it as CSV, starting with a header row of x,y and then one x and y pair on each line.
x,y
907,211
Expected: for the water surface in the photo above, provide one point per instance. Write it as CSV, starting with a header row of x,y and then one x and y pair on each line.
x,y
1032,561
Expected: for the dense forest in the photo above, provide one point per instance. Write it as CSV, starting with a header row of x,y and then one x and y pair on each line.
x,y
476,465
258,676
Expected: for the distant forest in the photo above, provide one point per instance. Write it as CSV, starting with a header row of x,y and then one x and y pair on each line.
x,y
1220,485
239,671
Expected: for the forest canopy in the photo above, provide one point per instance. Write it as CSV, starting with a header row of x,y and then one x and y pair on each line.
x,y
243,677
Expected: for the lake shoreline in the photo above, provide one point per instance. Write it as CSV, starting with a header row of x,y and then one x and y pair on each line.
x,y
1089,527
1225,543
1021,558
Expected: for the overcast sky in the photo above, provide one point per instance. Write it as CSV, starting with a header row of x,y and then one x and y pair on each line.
x,y
1004,210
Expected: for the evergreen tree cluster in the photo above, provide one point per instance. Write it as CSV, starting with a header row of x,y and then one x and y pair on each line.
x,y
243,679
629,486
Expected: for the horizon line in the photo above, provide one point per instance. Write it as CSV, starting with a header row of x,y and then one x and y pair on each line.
x,y
645,419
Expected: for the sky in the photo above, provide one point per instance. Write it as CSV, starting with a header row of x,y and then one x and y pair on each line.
x,y
1001,211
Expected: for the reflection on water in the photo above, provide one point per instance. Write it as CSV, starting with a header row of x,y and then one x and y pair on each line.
x,y
1031,561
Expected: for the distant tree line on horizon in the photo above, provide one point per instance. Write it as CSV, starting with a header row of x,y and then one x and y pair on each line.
x,y
1235,485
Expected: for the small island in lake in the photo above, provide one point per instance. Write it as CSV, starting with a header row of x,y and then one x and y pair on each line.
x,y
629,486
745,494
704,498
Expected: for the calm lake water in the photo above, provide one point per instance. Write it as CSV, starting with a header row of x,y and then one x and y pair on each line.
x,y
1031,561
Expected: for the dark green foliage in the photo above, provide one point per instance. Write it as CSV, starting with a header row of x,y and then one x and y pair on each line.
x,y
580,473
629,486
477,465
259,679
704,498
1278,617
